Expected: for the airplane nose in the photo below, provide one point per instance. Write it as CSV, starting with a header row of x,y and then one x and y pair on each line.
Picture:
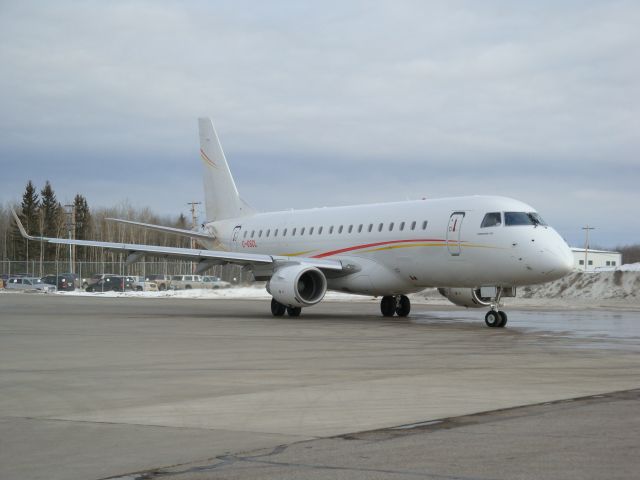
x,y
559,260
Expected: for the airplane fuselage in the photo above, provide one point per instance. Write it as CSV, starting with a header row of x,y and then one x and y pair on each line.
x,y
403,247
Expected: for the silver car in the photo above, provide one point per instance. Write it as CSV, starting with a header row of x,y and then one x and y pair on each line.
x,y
32,284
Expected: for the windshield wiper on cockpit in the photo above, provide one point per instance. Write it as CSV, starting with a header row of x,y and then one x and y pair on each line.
x,y
534,219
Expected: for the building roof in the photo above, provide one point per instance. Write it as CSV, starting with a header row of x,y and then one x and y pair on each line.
x,y
594,251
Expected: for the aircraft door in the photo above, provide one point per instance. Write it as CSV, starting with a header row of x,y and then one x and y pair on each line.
x,y
453,233
235,237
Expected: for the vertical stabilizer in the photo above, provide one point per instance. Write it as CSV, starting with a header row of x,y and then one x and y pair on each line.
x,y
220,193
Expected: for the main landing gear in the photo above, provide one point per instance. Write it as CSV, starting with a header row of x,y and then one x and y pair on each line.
x,y
278,309
395,304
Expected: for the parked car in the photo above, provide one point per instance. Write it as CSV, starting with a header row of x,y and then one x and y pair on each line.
x,y
32,284
63,281
96,278
141,284
214,282
163,282
111,283
187,282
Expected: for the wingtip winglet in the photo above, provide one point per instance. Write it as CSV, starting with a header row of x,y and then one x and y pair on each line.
x,y
23,232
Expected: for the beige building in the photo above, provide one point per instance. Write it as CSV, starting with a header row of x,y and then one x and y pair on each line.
x,y
595,259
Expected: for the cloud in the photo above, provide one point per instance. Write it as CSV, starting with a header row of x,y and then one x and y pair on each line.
x,y
379,100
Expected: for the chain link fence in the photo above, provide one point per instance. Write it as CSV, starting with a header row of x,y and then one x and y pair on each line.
x,y
34,268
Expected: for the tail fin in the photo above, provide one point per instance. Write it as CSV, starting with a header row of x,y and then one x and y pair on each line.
x,y
220,193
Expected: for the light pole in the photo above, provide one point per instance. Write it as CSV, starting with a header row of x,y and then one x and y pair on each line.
x,y
194,217
71,223
586,244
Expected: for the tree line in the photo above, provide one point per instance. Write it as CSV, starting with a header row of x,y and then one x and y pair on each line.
x,y
42,214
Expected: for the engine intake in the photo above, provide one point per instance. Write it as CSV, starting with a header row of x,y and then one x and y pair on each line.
x,y
297,285
465,297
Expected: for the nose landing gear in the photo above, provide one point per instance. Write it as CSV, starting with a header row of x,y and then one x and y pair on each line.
x,y
395,304
495,318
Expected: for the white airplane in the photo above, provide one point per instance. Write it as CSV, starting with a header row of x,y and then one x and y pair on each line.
x,y
475,249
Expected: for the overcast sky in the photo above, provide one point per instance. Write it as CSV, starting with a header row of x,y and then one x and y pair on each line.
x,y
326,103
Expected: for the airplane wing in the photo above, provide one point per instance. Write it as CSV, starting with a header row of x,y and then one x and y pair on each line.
x,y
206,258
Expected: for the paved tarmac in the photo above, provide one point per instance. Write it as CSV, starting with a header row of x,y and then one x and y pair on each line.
x,y
94,388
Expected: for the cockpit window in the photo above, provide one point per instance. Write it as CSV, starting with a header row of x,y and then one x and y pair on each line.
x,y
523,218
493,219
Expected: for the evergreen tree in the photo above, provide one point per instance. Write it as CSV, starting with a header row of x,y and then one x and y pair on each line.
x,y
83,224
29,216
52,215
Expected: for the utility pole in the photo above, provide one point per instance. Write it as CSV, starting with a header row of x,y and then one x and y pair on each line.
x,y
586,244
194,223
71,228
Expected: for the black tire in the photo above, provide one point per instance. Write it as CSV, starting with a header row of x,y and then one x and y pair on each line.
x,y
403,307
294,311
492,319
388,306
139,289
277,309
187,287
162,287
503,319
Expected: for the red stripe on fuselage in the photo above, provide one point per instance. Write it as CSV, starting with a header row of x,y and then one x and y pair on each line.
x,y
377,244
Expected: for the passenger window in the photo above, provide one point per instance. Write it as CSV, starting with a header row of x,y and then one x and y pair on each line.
x,y
391,227
350,228
401,226
302,231
284,232
311,231
340,229
260,234
330,229
413,225
320,231
424,225
253,232
360,228
268,232
380,227
245,233
275,234
370,227
493,219
293,232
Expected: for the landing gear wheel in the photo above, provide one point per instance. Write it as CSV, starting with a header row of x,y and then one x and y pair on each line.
x,y
294,311
388,306
492,319
277,309
403,306
503,319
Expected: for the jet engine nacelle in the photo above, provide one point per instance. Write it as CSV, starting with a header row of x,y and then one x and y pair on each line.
x,y
297,285
465,297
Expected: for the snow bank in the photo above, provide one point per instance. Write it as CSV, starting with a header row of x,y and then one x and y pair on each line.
x,y
629,267
257,292
620,284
